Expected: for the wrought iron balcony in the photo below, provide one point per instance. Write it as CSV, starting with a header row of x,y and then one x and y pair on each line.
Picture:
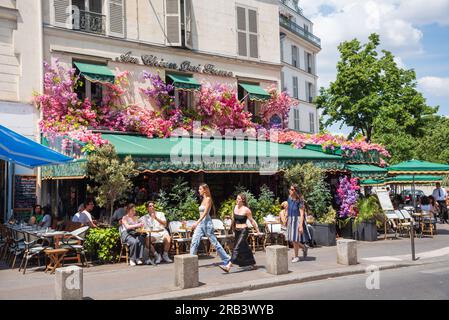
x,y
300,31
90,22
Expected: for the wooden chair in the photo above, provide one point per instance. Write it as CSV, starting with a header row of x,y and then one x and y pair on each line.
x,y
222,236
254,238
391,222
178,238
273,233
124,251
73,242
428,223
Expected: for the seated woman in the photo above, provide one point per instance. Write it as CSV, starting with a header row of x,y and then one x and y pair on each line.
x,y
434,207
136,242
36,216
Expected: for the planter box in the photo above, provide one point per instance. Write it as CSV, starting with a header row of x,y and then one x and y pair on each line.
x,y
325,234
366,231
346,229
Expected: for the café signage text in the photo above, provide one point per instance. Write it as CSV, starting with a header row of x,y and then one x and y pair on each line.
x,y
187,66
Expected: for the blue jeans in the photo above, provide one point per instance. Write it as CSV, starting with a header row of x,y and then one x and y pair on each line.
x,y
206,229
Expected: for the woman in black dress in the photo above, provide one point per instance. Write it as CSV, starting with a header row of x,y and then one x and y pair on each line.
x,y
242,254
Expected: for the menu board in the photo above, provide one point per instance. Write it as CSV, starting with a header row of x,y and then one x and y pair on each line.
x,y
24,192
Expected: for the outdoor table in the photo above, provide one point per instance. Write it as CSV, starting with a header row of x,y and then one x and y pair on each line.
x,y
56,256
186,230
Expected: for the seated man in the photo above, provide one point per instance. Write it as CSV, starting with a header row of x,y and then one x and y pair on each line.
x,y
155,220
76,216
85,216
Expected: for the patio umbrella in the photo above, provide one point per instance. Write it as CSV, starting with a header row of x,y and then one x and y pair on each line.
x,y
17,149
417,168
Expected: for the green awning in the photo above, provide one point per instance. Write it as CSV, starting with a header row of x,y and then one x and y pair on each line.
x,y
419,179
219,155
372,182
95,72
417,167
255,92
184,82
366,171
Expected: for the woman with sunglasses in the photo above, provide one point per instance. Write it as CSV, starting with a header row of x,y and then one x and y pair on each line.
x,y
296,222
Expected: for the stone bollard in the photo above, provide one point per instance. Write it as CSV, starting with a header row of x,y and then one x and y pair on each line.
x,y
186,271
69,283
277,259
347,251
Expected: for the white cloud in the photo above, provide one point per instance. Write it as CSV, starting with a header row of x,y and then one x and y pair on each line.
x,y
435,86
396,21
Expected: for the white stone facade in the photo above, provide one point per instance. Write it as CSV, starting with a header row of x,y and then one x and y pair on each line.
x,y
299,48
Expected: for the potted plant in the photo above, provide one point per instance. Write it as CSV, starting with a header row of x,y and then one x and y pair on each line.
x,y
347,192
365,223
324,228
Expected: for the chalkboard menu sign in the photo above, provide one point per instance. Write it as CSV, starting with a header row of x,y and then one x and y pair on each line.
x,y
24,192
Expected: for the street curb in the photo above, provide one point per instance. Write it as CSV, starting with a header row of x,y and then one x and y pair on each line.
x,y
275,281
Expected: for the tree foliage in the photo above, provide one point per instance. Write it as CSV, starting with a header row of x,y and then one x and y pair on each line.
x,y
110,175
372,95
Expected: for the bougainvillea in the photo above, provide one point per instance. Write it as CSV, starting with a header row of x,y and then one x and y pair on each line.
x,y
279,104
348,195
219,108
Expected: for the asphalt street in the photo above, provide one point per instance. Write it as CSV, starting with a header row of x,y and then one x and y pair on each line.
x,y
430,281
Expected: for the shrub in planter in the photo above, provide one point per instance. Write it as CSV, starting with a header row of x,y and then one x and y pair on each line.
x,y
369,214
103,243
325,229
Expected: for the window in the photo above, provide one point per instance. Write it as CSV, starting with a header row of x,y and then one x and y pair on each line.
x,y
295,88
296,119
282,81
183,98
306,28
252,106
312,122
309,92
247,33
88,89
93,16
308,62
282,50
178,23
295,59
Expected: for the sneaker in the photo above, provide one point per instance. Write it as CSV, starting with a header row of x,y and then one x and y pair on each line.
x,y
295,259
157,257
139,262
132,263
304,251
150,261
166,258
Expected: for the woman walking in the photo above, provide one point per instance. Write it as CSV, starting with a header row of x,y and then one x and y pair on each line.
x,y
296,229
204,226
242,254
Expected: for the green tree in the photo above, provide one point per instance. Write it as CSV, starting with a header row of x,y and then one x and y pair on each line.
x,y
314,189
110,175
372,95
434,145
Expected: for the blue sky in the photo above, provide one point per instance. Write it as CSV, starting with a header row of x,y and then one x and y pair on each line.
x,y
415,31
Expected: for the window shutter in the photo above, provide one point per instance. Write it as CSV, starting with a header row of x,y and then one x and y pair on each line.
x,y
253,38
312,122
188,23
116,18
307,91
241,32
295,87
62,13
173,22
295,56
282,81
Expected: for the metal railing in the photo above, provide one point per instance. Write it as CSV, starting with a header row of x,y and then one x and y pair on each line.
x,y
300,31
90,22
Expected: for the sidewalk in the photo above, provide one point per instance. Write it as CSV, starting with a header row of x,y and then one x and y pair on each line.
x,y
119,281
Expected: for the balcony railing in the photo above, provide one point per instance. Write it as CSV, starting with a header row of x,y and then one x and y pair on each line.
x,y
90,22
296,29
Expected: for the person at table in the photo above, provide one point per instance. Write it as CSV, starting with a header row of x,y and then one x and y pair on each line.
x,y
86,217
204,226
155,220
440,195
296,225
135,241
242,254
36,216
434,207
47,219
77,215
